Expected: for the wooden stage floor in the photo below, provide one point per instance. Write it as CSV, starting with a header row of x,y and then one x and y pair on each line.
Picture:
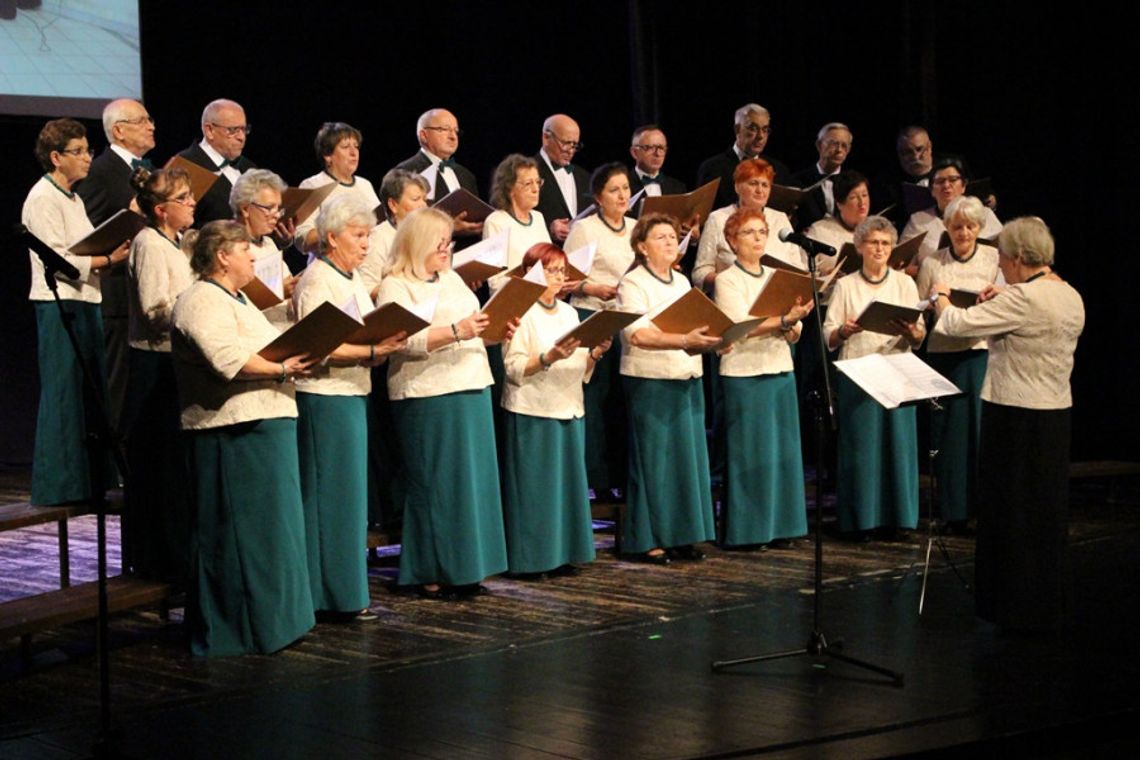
x,y
614,663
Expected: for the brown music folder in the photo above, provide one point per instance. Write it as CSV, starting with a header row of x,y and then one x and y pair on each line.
x,y
962,298
261,295
201,178
904,253
511,302
822,283
851,259
690,311
878,317
317,335
788,199
384,322
683,207
460,200
477,271
109,235
779,294
601,325
916,198
301,203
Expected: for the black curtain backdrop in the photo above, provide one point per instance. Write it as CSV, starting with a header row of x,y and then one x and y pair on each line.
x,y
1027,99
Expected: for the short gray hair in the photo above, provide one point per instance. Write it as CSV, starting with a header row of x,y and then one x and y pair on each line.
x,y
250,184
343,211
114,111
425,117
395,182
875,224
1028,239
967,206
747,110
210,112
833,125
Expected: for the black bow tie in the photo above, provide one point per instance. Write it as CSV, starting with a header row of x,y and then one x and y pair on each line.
x,y
647,180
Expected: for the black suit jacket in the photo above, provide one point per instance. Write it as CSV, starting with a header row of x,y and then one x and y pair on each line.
x,y
215,204
105,191
723,165
551,204
419,162
669,185
814,206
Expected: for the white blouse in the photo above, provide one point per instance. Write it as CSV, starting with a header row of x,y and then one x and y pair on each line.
x,y
555,393
360,186
319,283
519,240
641,291
158,271
978,271
611,261
736,291
59,219
930,221
714,254
851,295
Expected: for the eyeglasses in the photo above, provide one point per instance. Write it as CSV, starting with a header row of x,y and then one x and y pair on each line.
x,y
146,119
232,131
947,180
182,199
570,145
532,184
757,184
754,233
756,129
268,210
837,144
653,148
560,271
448,130
77,152
444,246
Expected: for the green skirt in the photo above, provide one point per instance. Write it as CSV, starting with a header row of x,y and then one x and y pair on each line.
x,y
669,500
453,514
956,431
765,469
385,467
156,511
605,407
251,585
878,463
64,469
545,501
332,447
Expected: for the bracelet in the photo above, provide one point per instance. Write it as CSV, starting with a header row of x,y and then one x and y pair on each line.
x,y
372,353
542,360
581,289
839,332
685,342
455,332
284,374
594,357
784,326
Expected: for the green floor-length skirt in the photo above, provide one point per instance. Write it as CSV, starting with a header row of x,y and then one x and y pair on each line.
x,y
956,431
606,411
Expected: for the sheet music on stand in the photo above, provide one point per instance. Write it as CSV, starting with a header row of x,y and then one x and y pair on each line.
x,y
896,379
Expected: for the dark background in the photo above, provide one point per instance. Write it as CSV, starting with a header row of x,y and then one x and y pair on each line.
x,y
1036,102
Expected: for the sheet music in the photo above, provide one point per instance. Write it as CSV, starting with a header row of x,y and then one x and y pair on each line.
x,y
537,274
492,251
583,258
269,270
895,379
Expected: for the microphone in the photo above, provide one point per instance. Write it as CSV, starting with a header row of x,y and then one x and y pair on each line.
x,y
803,241
53,262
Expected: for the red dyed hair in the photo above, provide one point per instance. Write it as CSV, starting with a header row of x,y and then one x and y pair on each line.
x,y
547,253
751,168
739,219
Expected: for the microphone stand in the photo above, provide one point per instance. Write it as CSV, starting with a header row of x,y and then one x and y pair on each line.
x,y
823,408
99,440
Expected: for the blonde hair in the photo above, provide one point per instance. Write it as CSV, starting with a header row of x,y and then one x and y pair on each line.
x,y
416,239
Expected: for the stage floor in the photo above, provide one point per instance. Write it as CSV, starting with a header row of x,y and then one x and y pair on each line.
x,y
615,663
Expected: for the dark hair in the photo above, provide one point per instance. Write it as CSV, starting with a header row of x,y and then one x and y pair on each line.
x,y
157,187
506,174
844,183
205,244
641,230
950,162
55,136
329,136
643,129
603,174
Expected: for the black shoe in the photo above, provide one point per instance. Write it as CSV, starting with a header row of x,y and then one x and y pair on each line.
x,y
691,553
443,593
567,571
651,559
528,577
781,543
470,589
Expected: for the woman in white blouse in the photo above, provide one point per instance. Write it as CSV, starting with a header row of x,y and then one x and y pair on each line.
x,y
948,180
877,481
514,193
439,387
337,146
852,206
250,588
764,477
332,421
610,228
965,265
64,468
155,525
1022,576
753,180
669,498
545,498
401,193
256,203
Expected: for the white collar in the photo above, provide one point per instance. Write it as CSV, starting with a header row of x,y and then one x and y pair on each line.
x,y
124,154
213,155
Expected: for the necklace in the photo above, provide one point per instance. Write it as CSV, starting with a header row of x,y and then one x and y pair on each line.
x,y
610,227
753,274
863,274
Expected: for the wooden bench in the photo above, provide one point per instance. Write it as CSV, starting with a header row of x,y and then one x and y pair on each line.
x,y
34,614
13,516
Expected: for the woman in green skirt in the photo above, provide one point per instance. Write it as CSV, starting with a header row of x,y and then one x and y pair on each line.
x,y
249,582
669,500
545,498
877,485
439,387
764,501
956,430
332,423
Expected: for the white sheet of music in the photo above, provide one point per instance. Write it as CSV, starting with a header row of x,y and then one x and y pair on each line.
x,y
268,269
895,379
492,251
536,274
583,258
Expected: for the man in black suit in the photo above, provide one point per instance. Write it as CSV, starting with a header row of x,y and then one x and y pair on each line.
x,y
833,143
565,186
224,131
438,133
648,148
752,124
105,191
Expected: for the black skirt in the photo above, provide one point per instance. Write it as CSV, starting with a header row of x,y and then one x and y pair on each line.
x,y
1023,579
